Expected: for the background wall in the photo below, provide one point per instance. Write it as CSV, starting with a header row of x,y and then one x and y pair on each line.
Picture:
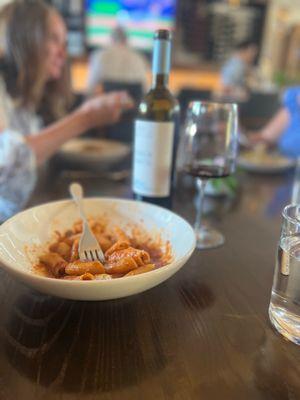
x,y
281,46
2,2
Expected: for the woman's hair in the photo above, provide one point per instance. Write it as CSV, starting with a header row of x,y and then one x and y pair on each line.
x,y
24,33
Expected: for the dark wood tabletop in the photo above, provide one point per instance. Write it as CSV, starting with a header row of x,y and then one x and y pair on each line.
x,y
202,334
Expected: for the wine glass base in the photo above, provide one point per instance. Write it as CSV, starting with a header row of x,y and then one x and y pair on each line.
x,y
208,238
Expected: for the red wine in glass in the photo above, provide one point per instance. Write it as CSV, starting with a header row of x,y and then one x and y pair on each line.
x,y
205,171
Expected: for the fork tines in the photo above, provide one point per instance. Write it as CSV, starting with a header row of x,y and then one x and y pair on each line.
x,y
93,255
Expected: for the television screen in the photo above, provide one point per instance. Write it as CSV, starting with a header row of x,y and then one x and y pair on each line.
x,y
140,18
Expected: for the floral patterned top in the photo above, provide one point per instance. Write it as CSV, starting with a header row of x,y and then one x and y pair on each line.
x,y
17,161
17,173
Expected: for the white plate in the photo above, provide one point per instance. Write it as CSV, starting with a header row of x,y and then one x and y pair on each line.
x,y
34,227
265,168
94,152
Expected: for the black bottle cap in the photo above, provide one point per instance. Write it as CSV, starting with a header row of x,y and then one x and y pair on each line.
x,y
162,34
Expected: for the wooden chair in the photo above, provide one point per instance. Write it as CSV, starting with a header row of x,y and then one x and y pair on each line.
x,y
258,109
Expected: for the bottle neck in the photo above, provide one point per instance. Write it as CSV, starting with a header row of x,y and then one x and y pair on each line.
x,y
160,80
161,63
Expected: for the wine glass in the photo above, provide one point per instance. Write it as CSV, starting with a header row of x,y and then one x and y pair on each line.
x,y
208,150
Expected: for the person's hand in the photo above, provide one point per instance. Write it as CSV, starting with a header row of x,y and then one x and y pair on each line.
x,y
255,138
260,137
106,109
250,139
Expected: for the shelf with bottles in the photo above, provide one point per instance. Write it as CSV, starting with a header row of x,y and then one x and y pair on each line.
x,y
211,29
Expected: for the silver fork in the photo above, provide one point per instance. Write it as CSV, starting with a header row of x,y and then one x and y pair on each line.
x,y
89,248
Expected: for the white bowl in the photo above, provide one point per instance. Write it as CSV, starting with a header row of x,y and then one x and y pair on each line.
x,y
33,228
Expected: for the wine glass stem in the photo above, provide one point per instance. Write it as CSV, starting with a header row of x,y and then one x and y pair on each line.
x,y
201,183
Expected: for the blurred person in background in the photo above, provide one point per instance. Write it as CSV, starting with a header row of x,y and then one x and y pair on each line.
x,y
35,98
235,72
284,128
117,63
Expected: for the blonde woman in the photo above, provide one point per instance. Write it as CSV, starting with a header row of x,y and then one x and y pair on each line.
x,y
35,98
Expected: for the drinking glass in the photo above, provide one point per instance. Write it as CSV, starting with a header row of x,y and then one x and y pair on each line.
x,y
284,310
208,150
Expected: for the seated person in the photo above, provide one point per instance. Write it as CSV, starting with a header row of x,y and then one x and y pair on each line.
x,y
35,98
284,128
117,63
235,71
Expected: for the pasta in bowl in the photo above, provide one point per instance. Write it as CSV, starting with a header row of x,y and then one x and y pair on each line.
x,y
144,245
126,255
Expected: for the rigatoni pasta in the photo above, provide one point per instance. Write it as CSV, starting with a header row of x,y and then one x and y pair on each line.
x,y
125,254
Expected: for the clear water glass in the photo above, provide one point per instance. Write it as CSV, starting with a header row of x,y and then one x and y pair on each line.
x,y
284,310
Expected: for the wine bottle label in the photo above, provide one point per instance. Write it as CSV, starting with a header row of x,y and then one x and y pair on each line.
x,y
152,160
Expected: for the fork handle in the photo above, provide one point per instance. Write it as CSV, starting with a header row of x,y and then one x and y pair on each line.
x,y
76,191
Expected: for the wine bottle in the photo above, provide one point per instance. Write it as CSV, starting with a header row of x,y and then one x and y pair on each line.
x,y
155,140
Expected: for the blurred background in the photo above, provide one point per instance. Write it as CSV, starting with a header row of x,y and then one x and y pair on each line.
x,y
205,32
205,36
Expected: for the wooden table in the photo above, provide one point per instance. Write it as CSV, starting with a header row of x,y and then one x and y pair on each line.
x,y
203,334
